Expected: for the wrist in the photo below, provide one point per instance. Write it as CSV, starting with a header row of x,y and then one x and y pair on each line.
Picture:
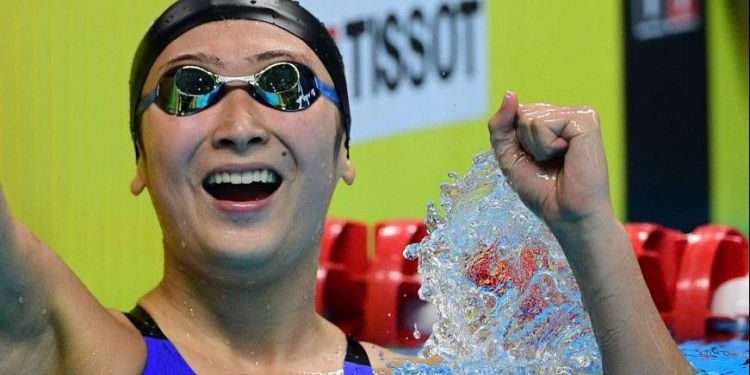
x,y
586,230
598,249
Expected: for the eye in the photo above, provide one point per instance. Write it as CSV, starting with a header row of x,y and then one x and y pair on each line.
x,y
193,81
279,78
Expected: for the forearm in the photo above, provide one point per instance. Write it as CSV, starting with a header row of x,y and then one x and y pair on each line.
x,y
628,328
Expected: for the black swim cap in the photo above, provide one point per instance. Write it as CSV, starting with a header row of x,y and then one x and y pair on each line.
x,y
187,14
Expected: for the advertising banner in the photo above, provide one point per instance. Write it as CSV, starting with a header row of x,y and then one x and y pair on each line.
x,y
410,64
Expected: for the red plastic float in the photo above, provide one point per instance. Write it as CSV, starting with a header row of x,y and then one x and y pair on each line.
x,y
392,287
659,251
714,254
342,274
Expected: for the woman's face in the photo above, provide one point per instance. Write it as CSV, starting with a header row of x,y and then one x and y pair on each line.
x,y
221,225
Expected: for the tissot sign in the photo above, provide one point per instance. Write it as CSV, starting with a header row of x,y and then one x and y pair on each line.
x,y
410,64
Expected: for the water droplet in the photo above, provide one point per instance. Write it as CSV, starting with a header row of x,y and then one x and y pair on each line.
x,y
411,252
453,175
417,335
390,315
20,300
546,177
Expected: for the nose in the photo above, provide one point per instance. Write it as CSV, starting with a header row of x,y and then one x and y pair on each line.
x,y
237,128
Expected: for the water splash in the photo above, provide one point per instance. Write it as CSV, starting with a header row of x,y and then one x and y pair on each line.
x,y
507,300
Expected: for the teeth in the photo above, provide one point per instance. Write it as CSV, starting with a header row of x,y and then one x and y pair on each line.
x,y
236,178
247,177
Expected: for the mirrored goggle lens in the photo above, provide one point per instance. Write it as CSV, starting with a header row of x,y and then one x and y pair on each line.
x,y
194,81
174,101
287,87
279,78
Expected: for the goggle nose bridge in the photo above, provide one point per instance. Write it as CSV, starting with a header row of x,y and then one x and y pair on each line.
x,y
251,80
220,80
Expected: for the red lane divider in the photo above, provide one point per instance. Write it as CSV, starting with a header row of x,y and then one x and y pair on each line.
x,y
392,287
659,251
714,254
342,274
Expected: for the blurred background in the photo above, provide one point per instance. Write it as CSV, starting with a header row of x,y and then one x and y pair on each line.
x,y
669,79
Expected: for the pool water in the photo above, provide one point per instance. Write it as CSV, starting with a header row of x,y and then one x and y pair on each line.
x,y
730,357
718,358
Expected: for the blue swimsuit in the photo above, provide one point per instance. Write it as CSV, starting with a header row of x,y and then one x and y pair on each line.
x,y
163,357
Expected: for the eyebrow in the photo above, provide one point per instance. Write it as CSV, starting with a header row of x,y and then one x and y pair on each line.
x,y
277,54
199,57
262,57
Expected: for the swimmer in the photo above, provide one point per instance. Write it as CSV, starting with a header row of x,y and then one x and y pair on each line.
x,y
240,119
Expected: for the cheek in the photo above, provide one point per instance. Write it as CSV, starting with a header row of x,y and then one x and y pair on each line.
x,y
314,146
170,141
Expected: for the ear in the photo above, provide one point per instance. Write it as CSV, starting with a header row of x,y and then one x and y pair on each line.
x,y
345,166
139,181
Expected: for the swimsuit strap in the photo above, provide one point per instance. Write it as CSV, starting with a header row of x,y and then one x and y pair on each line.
x,y
162,356
142,320
355,353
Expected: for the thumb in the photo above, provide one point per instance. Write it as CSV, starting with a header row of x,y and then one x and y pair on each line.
x,y
503,132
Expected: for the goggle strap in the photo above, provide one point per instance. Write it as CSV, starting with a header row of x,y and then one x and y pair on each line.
x,y
147,101
328,92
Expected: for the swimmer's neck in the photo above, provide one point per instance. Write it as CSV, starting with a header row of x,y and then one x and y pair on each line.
x,y
269,320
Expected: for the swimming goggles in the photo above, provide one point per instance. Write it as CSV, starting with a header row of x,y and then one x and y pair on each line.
x,y
285,86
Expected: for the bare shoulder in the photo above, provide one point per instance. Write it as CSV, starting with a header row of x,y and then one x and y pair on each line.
x,y
384,360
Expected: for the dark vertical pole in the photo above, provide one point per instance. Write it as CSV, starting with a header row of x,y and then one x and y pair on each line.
x,y
666,113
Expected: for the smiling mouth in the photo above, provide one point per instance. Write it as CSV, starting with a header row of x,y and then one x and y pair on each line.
x,y
248,186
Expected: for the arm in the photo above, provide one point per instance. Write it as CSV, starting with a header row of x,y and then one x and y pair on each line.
x,y
49,322
565,144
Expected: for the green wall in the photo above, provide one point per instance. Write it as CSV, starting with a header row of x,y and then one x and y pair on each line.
x,y
66,159
728,104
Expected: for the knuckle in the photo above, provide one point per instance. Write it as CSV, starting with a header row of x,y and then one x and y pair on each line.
x,y
590,113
